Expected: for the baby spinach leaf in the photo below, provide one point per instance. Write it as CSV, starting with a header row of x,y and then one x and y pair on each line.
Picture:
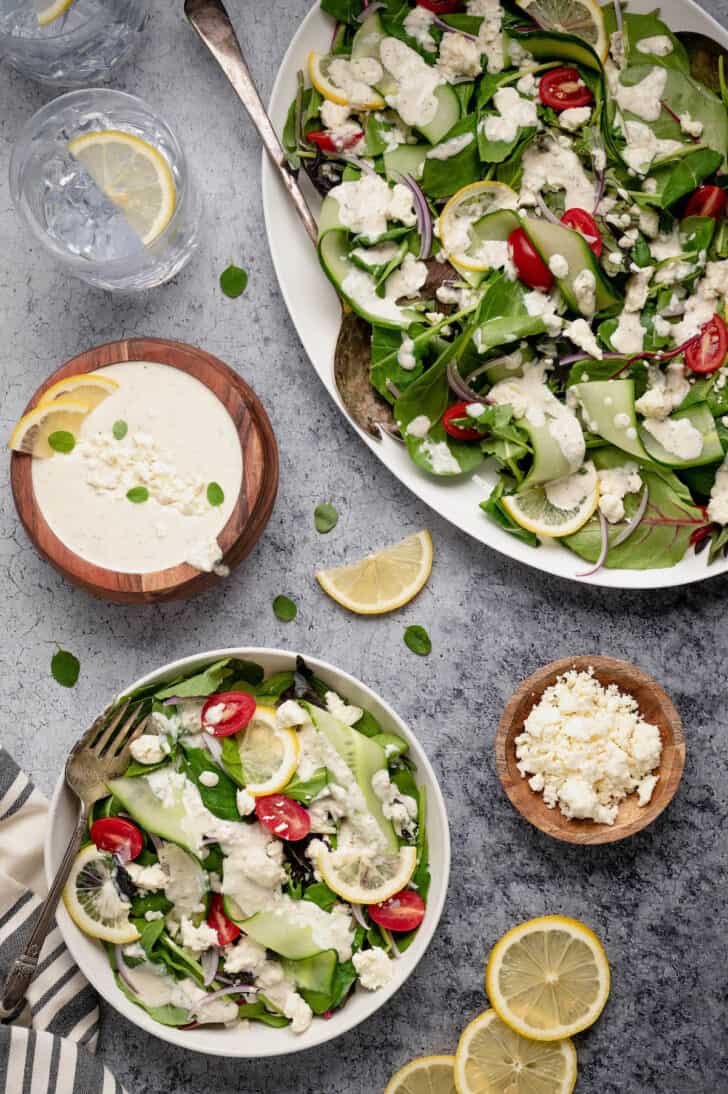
x,y
233,281
320,894
200,684
467,456
496,511
65,668
441,178
306,790
636,27
386,344
368,725
504,317
245,672
681,177
150,902
135,769
213,860
149,935
325,517
231,761
120,429
167,1015
270,690
346,11
417,639
256,1012
215,493
178,959
138,494
219,799
62,441
285,609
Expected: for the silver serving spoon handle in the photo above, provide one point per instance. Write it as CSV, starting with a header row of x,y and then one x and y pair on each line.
x,y
211,21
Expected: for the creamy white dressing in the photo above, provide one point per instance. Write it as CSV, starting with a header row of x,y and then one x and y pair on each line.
x,y
82,495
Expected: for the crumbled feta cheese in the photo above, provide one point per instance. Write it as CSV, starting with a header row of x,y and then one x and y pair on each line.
x,y
346,713
355,77
245,803
245,955
197,938
526,85
638,286
692,127
406,353
584,286
678,436
514,113
574,117
333,115
419,426
580,333
209,778
152,916
374,968
414,100
149,749
643,147
490,37
718,504
400,808
586,747
558,265
418,24
290,713
531,398
629,335
614,484
644,97
367,203
408,279
544,305
440,458
151,878
459,56
665,390
659,45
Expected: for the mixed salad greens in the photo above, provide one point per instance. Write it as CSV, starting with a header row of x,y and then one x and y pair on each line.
x,y
264,853
527,206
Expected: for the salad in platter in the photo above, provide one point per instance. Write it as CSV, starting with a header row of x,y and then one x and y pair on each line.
x,y
526,205
264,853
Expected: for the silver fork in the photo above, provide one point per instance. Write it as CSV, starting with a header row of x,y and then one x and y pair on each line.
x,y
101,754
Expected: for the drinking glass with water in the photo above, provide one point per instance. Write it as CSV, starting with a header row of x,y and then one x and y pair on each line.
x,y
102,182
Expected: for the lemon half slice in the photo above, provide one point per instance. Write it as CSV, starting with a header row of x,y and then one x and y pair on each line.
x,y
268,753
548,978
92,900
383,581
366,877
534,509
493,1059
31,434
48,13
88,387
318,64
459,218
133,174
427,1075
582,18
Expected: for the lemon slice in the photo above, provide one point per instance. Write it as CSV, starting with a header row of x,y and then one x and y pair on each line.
x,y
493,1059
548,978
268,753
48,13
34,428
582,18
458,220
362,876
88,387
535,510
427,1075
318,65
383,581
133,174
93,901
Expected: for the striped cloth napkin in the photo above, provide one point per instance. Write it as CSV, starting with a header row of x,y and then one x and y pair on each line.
x,y
49,1049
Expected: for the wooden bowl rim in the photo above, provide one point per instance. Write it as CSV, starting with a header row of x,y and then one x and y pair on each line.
x,y
182,580
587,832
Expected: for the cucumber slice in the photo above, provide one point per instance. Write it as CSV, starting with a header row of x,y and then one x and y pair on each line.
x,y
549,45
329,219
166,821
313,973
363,756
448,114
360,291
549,462
551,239
497,225
368,37
405,159
700,417
603,402
278,932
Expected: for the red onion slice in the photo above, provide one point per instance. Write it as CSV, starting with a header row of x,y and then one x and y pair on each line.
x,y
122,969
546,211
424,218
357,913
604,550
639,513
459,387
368,10
238,989
209,962
213,746
437,22
175,700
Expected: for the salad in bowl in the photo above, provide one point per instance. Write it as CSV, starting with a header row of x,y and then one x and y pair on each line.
x,y
525,205
264,861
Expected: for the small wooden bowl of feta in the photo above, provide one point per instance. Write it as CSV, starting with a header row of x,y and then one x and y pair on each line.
x,y
590,749
158,477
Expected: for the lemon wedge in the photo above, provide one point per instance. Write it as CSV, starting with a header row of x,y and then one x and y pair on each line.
x,y
48,13
363,876
535,509
133,174
31,434
268,753
92,899
492,1059
426,1075
318,65
383,581
470,204
87,386
548,978
582,18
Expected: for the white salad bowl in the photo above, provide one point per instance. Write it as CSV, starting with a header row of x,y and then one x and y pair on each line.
x,y
260,1040
314,308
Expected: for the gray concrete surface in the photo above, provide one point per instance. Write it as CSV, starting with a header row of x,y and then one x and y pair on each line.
x,y
657,901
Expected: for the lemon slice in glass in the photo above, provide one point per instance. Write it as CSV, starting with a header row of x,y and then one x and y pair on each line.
x,y
49,13
493,1059
318,66
537,511
426,1075
361,876
548,978
268,753
133,174
459,219
582,18
93,901
88,387
383,581
31,434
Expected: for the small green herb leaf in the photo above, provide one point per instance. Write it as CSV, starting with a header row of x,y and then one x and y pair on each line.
x,y
325,517
120,429
215,493
418,640
233,281
65,668
285,609
138,494
62,441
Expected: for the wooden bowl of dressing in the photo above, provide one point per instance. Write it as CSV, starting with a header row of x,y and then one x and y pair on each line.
x,y
655,707
210,395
